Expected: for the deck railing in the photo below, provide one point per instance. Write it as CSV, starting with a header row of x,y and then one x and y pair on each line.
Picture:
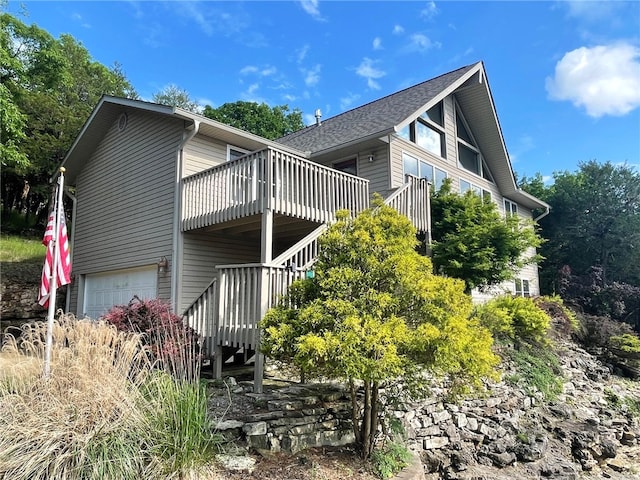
x,y
247,292
273,179
413,200
201,316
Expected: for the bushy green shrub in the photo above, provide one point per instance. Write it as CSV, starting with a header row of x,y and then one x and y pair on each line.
x,y
627,342
515,318
390,459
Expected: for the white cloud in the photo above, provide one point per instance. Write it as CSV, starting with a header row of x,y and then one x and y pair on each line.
x,y
398,29
368,70
194,12
312,75
604,79
266,71
429,11
421,43
377,43
311,7
78,18
301,54
348,101
591,11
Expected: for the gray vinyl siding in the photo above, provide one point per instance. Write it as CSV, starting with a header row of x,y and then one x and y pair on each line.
x,y
202,252
377,172
450,131
125,196
203,152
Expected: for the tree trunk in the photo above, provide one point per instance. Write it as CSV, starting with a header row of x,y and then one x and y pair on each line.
x,y
354,412
366,421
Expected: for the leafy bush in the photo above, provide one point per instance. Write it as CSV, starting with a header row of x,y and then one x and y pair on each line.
x,y
627,343
554,306
596,296
515,318
172,343
595,331
390,459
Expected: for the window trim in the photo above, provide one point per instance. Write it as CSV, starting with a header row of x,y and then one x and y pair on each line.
x,y
237,149
510,207
483,194
430,124
420,161
522,287
354,159
483,168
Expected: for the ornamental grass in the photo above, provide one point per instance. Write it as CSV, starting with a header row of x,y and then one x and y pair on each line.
x,y
100,414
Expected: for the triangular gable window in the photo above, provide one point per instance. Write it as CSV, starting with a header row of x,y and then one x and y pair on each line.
x,y
469,156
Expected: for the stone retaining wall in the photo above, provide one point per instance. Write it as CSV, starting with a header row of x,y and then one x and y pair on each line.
x,y
292,419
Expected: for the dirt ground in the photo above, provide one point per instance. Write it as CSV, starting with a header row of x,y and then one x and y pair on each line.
x,y
340,463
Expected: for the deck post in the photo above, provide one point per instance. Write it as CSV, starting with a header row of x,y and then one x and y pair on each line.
x,y
266,256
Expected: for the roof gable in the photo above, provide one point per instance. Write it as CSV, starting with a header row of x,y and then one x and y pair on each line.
x,y
379,117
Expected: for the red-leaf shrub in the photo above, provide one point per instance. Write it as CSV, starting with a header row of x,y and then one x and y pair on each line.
x,y
171,342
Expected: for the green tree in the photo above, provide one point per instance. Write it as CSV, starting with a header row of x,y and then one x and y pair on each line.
x,y
175,96
49,87
260,119
473,242
376,316
594,222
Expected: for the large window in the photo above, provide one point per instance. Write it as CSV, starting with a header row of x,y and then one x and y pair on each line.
x,y
469,155
483,193
428,131
419,168
522,287
235,152
510,208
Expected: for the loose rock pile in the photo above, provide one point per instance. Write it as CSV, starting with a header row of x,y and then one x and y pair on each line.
x,y
509,433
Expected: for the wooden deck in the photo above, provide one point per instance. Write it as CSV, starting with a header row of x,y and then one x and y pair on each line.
x,y
269,180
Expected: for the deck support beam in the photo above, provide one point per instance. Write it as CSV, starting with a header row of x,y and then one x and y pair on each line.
x,y
266,256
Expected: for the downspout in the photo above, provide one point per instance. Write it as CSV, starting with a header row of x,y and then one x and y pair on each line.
x,y
546,212
176,267
74,200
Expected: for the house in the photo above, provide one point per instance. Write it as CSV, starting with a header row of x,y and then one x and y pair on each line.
x,y
219,221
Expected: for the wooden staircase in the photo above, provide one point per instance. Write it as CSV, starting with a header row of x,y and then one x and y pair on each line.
x,y
227,313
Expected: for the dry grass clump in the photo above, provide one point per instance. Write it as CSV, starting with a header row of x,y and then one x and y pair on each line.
x,y
87,420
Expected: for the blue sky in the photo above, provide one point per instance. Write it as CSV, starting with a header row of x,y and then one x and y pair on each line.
x,y
565,76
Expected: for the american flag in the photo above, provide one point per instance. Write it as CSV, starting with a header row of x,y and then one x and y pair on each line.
x,y
63,261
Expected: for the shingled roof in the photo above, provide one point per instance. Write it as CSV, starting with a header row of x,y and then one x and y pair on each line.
x,y
376,118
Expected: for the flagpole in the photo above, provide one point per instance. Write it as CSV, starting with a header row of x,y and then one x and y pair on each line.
x,y
53,282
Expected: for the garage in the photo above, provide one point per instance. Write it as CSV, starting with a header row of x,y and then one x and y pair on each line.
x,y
104,290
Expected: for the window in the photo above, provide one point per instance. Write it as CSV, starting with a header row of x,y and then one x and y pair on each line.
x,y
427,131
235,152
469,156
481,192
421,169
510,208
522,287
347,166
429,138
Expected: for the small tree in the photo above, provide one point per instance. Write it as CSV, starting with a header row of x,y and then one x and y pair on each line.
x,y
376,316
473,242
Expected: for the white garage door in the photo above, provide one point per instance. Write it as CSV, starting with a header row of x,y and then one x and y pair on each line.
x,y
104,290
